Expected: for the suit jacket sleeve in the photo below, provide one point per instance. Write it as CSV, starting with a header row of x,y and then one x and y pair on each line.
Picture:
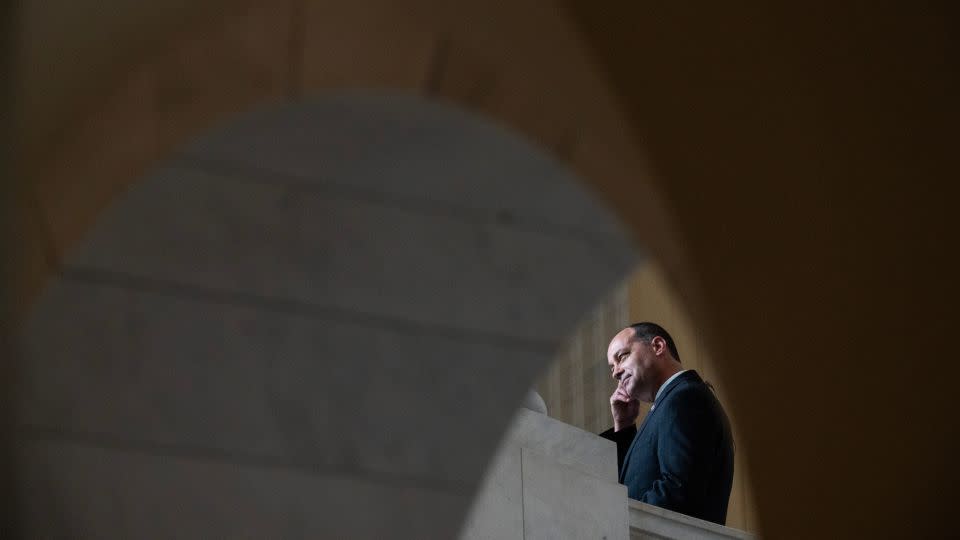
x,y
685,451
623,438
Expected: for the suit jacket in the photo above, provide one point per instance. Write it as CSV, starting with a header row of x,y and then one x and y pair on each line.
x,y
681,457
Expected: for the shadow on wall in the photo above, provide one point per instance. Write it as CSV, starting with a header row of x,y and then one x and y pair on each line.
x,y
316,321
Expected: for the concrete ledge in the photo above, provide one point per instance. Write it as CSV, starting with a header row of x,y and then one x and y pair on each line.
x,y
563,443
652,522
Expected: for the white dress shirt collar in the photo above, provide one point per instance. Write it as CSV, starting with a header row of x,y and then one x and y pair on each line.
x,y
664,387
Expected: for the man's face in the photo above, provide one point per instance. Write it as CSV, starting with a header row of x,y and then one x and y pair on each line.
x,y
631,364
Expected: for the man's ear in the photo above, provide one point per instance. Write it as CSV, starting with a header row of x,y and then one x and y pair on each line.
x,y
659,344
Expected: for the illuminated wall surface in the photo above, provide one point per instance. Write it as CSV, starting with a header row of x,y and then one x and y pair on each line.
x,y
275,331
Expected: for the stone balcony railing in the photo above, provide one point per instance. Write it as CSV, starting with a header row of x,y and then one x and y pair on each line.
x,y
553,481
648,522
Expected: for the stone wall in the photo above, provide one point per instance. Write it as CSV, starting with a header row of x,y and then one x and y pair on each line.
x,y
550,480
304,325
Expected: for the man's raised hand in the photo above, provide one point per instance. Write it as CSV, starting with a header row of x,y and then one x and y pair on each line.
x,y
624,409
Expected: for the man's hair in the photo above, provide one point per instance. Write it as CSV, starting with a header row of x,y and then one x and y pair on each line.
x,y
646,331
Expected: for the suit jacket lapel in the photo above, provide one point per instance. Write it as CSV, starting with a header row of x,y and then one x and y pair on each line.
x,y
690,374
643,426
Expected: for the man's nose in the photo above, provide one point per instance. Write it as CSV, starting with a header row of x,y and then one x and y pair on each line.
x,y
617,372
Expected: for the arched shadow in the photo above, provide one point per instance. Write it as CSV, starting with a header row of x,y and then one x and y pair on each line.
x,y
315,321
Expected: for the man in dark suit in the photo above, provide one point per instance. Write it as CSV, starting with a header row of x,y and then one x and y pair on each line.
x,y
681,458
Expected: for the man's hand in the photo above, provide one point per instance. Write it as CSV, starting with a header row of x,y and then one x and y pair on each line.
x,y
624,409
